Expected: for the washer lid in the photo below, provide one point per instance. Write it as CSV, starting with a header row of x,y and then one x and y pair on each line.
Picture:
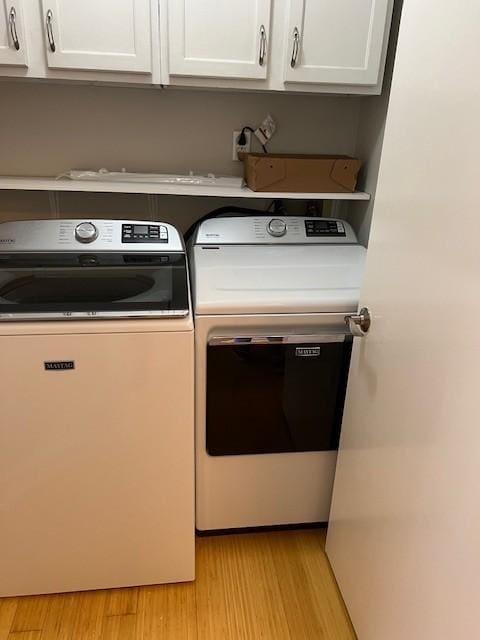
x,y
235,279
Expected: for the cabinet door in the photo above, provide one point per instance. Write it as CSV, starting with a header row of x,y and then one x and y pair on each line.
x,y
336,41
103,35
13,47
219,39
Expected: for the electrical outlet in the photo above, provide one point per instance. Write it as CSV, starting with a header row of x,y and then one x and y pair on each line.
x,y
241,148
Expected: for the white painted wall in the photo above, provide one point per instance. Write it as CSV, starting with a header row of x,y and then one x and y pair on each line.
x,y
371,126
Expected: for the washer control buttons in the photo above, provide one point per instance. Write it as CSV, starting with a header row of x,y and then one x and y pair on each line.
x,y
277,228
86,232
323,228
144,233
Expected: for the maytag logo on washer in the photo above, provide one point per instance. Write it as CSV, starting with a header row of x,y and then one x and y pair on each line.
x,y
7,240
59,365
307,352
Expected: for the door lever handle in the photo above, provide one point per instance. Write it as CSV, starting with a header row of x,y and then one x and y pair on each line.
x,y
359,323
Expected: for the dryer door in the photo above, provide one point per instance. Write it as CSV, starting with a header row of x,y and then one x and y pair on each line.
x,y
275,394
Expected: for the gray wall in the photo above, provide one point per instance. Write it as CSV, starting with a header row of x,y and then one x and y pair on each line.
x,y
46,129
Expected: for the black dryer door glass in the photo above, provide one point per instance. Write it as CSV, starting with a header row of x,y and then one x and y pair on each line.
x,y
275,398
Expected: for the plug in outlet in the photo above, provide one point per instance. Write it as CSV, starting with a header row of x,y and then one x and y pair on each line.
x,y
241,148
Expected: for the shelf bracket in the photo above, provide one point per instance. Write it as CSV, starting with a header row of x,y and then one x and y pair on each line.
x,y
54,202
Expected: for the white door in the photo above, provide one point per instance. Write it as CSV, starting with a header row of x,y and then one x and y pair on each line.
x,y
219,39
336,41
102,35
13,46
405,522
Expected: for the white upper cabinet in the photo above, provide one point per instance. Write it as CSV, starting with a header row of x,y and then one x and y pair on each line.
x,y
336,41
215,39
98,35
13,45
323,46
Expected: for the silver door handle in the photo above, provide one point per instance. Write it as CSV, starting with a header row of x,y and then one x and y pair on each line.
x,y
263,46
296,47
49,27
12,21
359,323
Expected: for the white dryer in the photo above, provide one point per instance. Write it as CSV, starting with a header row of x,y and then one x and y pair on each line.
x,y
272,357
96,397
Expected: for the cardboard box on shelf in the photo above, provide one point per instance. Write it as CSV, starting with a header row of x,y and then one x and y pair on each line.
x,y
300,173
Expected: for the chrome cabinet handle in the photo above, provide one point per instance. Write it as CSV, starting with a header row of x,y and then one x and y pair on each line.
x,y
263,46
12,22
51,39
296,48
359,323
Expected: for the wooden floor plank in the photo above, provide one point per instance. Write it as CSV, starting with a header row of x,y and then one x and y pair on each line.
x,y
304,620
71,616
119,627
121,601
25,635
57,621
322,584
31,613
167,612
120,614
238,597
8,608
87,620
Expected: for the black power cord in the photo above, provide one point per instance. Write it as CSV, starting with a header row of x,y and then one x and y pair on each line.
x,y
229,211
242,138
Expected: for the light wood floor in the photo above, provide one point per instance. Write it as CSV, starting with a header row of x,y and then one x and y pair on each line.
x,y
265,586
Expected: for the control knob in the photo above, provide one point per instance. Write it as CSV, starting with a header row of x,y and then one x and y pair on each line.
x,y
86,232
277,228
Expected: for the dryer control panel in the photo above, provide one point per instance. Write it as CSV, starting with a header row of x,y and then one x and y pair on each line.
x,y
276,230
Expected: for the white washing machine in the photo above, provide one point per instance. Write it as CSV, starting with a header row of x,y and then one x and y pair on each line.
x,y
272,356
96,396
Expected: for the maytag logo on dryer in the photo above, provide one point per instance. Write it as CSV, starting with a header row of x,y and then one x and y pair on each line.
x,y
7,240
307,352
59,365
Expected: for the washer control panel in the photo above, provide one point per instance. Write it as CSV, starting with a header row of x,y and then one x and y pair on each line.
x,y
315,227
64,235
144,233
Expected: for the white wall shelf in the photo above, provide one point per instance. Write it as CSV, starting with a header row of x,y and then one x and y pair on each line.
x,y
96,186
